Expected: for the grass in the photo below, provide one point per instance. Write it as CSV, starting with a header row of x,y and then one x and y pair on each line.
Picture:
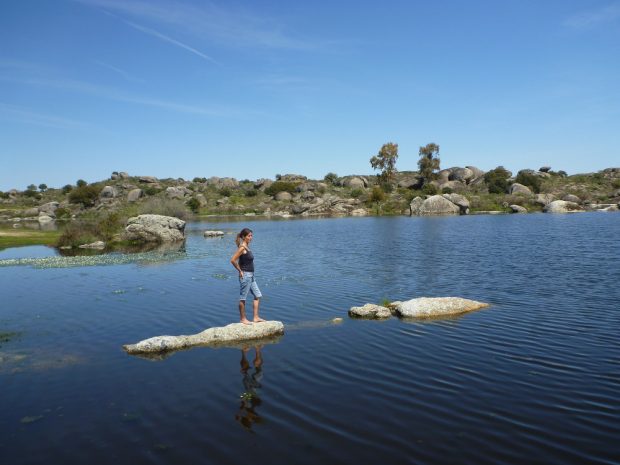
x,y
24,237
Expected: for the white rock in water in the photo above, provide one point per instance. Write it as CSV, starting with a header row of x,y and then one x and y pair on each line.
x,y
370,311
424,307
234,332
214,233
155,228
94,245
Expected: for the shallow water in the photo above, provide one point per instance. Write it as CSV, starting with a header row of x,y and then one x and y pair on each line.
x,y
535,378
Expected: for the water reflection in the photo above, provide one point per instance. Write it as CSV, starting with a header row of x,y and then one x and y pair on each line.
x,y
250,401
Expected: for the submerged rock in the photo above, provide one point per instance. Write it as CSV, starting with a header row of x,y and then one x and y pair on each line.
x,y
93,245
425,307
231,334
562,206
370,311
518,209
213,233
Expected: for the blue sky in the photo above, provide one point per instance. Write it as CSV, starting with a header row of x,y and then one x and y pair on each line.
x,y
249,89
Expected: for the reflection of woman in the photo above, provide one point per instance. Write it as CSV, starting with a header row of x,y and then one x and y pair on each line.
x,y
243,261
247,415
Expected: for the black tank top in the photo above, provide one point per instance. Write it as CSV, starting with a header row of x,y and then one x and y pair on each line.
x,y
246,261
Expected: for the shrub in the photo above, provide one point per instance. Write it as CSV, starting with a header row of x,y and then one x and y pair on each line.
x,y
85,194
562,173
160,206
151,190
377,194
77,233
225,191
281,186
81,183
447,190
67,188
30,193
387,187
193,204
4,195
42,187
357,192
530,180
330,178
201,180
430,189
615,184
62,212
497,180
251,193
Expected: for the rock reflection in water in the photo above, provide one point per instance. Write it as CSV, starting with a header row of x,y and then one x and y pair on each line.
x,y
172,247
250,401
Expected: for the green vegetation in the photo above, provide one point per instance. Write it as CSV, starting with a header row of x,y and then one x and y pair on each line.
x,y
497,180
385,160
85,195
281,186
429,161
193,204
530,180
23,237
330,178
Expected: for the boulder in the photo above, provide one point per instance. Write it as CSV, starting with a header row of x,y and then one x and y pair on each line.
x,y
571,198
231,334
293,178
461,174
308,195
354,182
31,212
175,192
155,228
518,209
213,233
283,196
425,307
434,205
411,182
134,194
263,184
49,207
517,188
108,192
477,171
544,169
415,206
562,206
372,311
454,185
444,175
544,199
359,212
460,201
45,219
202,200
94,245
147,179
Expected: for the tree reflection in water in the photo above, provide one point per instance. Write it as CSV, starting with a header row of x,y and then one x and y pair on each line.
x,y
250,401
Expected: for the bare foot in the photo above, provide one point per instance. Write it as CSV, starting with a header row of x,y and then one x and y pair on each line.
x,y
258,320
246,322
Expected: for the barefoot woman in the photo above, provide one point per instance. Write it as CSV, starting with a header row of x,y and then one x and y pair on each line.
x,y
243,261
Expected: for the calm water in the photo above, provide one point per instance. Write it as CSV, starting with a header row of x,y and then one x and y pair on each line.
x,y
535,378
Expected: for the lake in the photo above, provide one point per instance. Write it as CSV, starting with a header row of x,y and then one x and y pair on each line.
x,y
534,378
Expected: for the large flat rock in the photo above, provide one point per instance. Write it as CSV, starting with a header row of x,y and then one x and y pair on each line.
x,y
426,307
230,334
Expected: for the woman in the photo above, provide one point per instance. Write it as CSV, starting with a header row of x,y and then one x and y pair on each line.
x,y
243,261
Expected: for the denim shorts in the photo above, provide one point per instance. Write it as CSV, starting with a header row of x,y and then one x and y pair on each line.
x,y
247,285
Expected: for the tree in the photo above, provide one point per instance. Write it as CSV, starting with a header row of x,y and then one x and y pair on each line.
x,y
385,160
497,180
429,161
81,183
330,178
42,187
32,187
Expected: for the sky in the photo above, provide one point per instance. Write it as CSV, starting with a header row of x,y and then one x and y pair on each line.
x,y
251,89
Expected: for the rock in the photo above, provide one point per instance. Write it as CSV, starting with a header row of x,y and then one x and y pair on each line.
x,y
444,175
94,245
411,182
108,192
518,209
517,188
454,185
263,184
562,206
293,178
571,198
308,195
611,208
359,212
213,233
45,219
370,311
175,192
49,207
434,205
155,228
147,179
544,199
478,173
202,200
544,169
460,201
424,307
354,182
461,174
123,175
134,195
283,196
233,333
31,212
299,209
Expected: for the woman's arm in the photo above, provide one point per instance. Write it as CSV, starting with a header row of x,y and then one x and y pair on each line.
x,y
234,260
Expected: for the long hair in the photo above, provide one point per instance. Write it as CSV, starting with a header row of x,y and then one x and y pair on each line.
x,y
244,232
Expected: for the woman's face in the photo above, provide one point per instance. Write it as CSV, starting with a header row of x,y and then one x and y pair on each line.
x,y
249,238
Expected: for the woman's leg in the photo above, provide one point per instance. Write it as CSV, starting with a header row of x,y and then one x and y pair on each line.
x,y
256,304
